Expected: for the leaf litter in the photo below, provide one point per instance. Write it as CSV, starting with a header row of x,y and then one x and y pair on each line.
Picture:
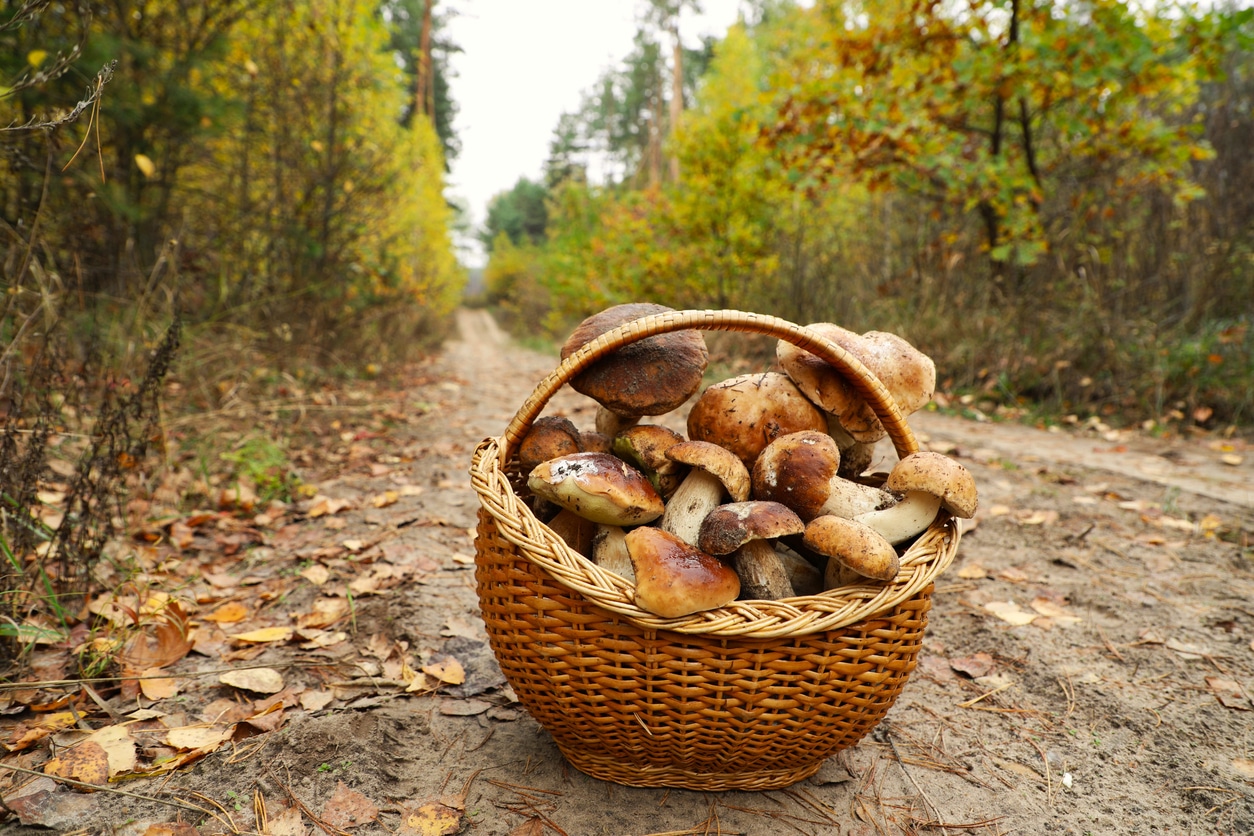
x,y
1064,721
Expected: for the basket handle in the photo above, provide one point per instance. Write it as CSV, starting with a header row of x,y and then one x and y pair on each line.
x,y
858,375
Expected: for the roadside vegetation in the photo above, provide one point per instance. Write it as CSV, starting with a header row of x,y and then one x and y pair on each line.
x,y
1054,202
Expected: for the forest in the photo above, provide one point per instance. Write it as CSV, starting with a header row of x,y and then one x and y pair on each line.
x,y
206,201
1053,200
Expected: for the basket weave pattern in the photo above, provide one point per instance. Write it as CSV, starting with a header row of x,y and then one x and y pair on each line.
x,y
754,695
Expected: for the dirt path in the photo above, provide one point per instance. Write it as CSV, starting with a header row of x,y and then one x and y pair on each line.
x,y
1089,664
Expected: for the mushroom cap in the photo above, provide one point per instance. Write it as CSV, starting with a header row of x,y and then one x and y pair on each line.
x,y
644,446
854,545
550,436
675,579
648,377
718,462
939,475
908,374
797,470
730,526
598,487
748,412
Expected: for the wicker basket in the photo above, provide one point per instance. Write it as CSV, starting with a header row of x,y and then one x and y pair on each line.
x,y
754,695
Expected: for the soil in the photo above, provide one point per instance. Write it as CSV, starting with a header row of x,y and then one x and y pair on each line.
x,y
1089,665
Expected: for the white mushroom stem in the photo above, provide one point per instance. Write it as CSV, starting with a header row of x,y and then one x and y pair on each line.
x,y
908,518
609,551
699,494
763,575
612,423
850,499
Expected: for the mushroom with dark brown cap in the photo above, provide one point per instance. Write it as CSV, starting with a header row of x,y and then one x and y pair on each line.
x,y
745,531
598,487
550,436
651,376
713,473
851,545
748,412
908,375
644,446
800,471
675,579
927,482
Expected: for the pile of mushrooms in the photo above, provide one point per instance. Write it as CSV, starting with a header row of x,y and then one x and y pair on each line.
x,y
766,498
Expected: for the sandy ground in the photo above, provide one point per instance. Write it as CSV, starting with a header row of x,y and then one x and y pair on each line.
x,y
1117,702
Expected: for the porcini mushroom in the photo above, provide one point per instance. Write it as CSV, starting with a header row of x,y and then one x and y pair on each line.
x,y
713,473
651,376
578,532
550,436
851,545
609,551
748,412
644,446
927,482
598,487
908,374
675,579
745,531
800,471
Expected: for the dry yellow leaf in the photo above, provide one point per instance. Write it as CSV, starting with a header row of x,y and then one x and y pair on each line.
x,y
198,737
145,164
316,574
264,636
229,613
447,669
385,499
155,686
1009,612
87,762
431,819
118,745
257,680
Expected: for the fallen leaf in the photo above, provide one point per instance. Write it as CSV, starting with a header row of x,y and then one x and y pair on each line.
x,y
316,700
322,505
118,745
325,613
197,738
1036,517
87,762
1231,459
157,687
1244,767
535,826
316,574
264,636
348,808
464,708
972,572
446,669
976,665
1009,612
431,819
257,680
1229,693
26,734
385,499
229,613
1049,609
162,642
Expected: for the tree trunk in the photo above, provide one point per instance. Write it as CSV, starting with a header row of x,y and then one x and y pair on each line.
x,y
677,94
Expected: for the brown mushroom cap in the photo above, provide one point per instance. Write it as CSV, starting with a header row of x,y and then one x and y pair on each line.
x,y
648,377
550,436
854,545
730,526
675,579
801,469
717,461
907,373
644,446
599,487
577,531
748,412
939,475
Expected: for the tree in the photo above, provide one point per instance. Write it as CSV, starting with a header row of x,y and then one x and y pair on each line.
x,y
992,105
520,214
424,51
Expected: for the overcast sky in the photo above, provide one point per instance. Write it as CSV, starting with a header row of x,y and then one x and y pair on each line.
x,y
524,63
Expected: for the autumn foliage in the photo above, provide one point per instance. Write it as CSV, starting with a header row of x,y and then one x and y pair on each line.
x,y
1044,197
